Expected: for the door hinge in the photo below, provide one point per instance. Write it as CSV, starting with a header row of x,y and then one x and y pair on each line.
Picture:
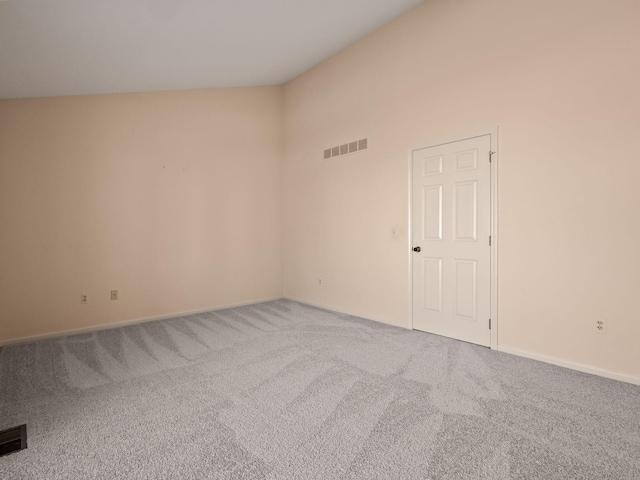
x,y
489,240
489,324
491,154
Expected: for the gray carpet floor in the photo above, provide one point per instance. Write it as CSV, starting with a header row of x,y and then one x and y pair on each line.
x,y
282,390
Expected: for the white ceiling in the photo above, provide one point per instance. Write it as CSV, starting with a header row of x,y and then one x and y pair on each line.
x,y
77,47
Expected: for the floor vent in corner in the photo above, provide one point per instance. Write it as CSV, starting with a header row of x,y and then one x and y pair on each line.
x,y
346,148
13,440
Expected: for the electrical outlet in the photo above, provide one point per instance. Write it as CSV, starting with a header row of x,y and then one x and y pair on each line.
x,y
601,326
114,294
84,298
319,281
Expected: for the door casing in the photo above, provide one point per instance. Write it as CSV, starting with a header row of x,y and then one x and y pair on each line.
x,y
493,133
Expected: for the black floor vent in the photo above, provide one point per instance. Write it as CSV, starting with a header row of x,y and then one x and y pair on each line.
x,y
13,440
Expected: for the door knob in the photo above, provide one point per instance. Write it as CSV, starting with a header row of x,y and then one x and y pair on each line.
x,y
416,249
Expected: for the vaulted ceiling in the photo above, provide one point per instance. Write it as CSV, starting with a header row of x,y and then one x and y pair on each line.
x,y
78,47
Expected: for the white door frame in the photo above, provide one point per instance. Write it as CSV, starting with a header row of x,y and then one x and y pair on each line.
x,y
493,133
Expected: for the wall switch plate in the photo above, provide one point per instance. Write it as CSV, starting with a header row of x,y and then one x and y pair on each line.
x,y
84,298
114,294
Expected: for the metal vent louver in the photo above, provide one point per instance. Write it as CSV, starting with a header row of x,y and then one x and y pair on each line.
x,y
346,148
13,440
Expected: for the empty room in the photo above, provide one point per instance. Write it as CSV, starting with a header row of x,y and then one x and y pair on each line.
x,y
292,239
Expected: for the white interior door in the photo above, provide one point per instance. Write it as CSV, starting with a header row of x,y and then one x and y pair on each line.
x,y
451,224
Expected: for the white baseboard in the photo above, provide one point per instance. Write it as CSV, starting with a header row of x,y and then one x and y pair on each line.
x,y
513,351
344,312
124,323
572,365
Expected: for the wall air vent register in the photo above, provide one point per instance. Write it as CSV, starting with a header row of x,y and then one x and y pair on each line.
x,y
346,148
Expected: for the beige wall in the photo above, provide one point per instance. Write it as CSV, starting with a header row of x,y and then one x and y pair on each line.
x,y
560,79
174,199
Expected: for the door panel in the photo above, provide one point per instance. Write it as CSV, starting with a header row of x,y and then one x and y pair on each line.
x,y
465,289
451,204
432,284
432,205
465,211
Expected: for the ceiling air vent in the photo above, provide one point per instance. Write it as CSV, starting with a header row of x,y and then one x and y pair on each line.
x,y
346,148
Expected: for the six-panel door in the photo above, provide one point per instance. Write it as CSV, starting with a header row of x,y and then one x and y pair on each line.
x,y
451,210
